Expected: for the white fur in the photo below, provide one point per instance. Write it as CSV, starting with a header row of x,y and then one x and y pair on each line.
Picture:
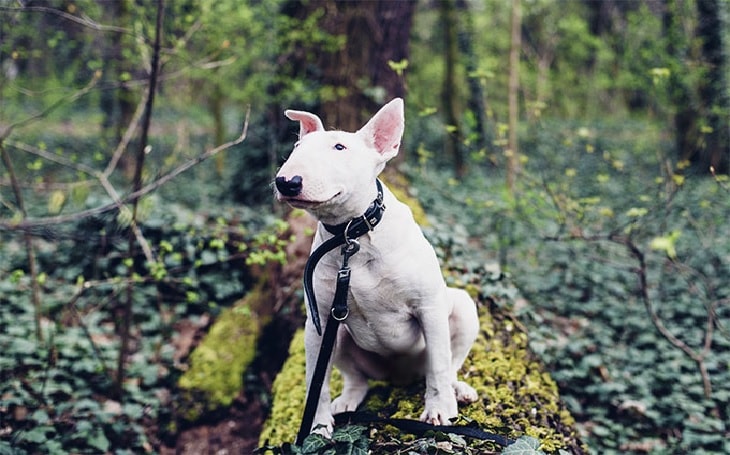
x,y
404,322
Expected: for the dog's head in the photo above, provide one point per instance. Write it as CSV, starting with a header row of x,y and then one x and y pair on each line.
x,y
332,174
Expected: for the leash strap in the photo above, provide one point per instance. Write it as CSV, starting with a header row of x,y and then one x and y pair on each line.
x,y
338,314
315,387
419,428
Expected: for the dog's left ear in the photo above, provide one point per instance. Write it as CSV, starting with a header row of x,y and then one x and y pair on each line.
x,y
385,129
307,122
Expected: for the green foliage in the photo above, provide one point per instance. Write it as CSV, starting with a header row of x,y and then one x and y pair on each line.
x,y
58,394
348,439
524,446
590,193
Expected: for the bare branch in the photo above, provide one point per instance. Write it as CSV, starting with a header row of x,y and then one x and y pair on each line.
x,y
697,356
60,102
31,223
84,21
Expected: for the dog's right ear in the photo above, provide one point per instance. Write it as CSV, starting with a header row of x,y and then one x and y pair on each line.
x,y
307,122
385,129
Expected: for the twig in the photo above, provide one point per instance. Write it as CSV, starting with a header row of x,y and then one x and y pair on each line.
x,y
28,239
697,356
136,233
31,223
85,21
60,102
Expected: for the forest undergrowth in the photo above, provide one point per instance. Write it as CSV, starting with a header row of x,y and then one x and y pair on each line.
x,y
623,259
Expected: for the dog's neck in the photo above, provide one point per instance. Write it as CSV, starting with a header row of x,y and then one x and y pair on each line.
x,y
367,220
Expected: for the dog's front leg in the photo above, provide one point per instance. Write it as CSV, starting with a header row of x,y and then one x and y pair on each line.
x,y
440,400
323,420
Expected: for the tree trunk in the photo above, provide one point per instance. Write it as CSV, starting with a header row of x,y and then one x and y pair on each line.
x,y
118,105
714,89
377,32
514,86
453,142
701,121
476,101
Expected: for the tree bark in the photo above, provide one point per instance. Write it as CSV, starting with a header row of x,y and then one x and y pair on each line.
x,y
702,117
514,86
376,32
714,89
454,139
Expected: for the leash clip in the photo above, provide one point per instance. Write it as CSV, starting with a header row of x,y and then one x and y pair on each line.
x,y
350,247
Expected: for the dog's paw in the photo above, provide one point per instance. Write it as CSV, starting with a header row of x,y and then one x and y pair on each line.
x,y
440,412
464,392
436,417
348,401
324,426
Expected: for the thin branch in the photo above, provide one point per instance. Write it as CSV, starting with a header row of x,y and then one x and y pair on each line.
x,y
28,239
126,139
641,271
84,21
58,103
136,233
55,158
31,223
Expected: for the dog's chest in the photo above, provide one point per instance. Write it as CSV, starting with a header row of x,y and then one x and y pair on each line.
x,y
383,300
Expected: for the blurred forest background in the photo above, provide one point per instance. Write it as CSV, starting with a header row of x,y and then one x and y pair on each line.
x,y
582,145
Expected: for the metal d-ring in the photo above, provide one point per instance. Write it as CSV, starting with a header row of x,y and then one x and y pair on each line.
x,y
340,318
348,240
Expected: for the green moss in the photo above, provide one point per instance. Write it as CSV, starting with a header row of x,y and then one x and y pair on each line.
x,y
516,396
217,365
398,185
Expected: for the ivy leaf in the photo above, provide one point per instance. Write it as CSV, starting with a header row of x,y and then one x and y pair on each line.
x,y
98,440
348,434
313,443
524,445
351,450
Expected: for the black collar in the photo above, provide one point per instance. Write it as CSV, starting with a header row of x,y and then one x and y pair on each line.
x,y
361,225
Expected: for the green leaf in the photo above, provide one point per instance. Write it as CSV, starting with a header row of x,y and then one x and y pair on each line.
x,y
98,440
348,434
666,243
313,443
524,445
37,435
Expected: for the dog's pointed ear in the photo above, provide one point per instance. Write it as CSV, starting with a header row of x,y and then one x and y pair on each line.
x,y
385,130
307,122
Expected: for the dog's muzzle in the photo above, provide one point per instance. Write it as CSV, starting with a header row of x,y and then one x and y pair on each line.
x,y
291,187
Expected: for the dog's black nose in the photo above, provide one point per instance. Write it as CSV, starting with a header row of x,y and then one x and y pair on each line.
x,y
291,187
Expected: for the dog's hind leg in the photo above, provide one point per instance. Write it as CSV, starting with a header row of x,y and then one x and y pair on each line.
x,y
463,327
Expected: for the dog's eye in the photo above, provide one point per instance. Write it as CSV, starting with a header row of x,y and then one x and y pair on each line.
x,y
339,146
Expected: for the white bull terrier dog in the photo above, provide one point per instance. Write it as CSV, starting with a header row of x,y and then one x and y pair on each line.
x,y
403,322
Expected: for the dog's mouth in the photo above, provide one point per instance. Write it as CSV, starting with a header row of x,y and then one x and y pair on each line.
x,y
306,203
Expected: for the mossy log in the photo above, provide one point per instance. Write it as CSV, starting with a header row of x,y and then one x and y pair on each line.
x,y
217,366
517,396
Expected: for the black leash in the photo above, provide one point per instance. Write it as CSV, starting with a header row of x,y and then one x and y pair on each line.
x,y
419,428
346,235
